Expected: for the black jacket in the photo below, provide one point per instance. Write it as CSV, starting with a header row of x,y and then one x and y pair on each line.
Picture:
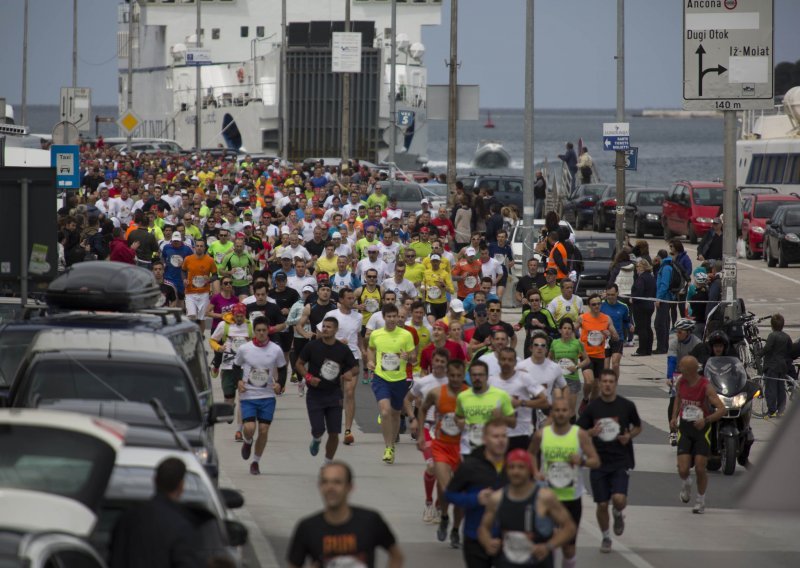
x,y
644,287
475,474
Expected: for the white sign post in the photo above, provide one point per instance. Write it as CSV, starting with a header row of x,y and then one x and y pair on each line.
x,y
346,53
76,104
728,50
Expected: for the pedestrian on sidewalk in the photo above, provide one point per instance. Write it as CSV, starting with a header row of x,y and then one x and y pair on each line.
x,y
664,297
644,288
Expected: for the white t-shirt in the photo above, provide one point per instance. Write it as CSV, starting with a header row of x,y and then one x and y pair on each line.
x,y
547,374
252,300
238,335
405,286
421,387
349,329
376,321
122,209
491,360
388,254
299,250
494,270
259,365
523,387
364,264
298,282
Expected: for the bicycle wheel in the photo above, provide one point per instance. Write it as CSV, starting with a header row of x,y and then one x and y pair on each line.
x,y
759,406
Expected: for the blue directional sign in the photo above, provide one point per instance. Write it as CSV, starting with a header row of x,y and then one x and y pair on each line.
x,y
632,158
66,160
405,118
616,143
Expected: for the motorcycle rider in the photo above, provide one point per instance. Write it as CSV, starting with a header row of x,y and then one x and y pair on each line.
x,y
717,345
680,345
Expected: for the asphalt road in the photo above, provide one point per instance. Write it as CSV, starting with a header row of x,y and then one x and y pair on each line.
x,y
661,531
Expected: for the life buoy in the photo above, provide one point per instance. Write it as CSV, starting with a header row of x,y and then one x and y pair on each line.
x,y
240,75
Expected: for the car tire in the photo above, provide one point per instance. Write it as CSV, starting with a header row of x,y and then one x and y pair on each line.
x,y
771,262
666,231
748,251
782,262
601,223
578,224
690,233
637,229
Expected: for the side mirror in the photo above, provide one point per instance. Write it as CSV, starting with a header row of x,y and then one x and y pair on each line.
x,y
232,498
237,533
220,412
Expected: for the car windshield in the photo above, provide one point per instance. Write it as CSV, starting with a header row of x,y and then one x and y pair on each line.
x,y
113,380
650,198
593,190
435,190
136,483
596,250
708,195
765,209
53,460
792,218
12,349
404,192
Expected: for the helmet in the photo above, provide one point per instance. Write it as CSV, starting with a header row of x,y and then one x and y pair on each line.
x,y
684,324
718,336
701,278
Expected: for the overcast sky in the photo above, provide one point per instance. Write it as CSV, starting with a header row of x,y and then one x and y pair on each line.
x,y
575,47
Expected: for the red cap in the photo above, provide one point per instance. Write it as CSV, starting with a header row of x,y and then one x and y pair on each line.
x,y
441,324
424,229
520,456
240,309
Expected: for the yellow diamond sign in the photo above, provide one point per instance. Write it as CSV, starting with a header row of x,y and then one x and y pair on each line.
x,y
128,121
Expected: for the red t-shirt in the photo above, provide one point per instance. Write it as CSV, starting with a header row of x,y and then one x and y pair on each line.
x,y
456,354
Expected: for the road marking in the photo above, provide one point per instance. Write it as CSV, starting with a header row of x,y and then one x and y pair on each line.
x,y
768,271
632,557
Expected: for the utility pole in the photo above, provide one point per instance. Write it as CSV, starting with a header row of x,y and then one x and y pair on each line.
x,y
198,127
284,88
619,218
74,43
527,199
346,96
24,117
130,69
393,86
452,111
730,220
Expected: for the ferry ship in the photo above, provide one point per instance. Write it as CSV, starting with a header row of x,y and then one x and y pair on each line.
x,y
241,104
768,151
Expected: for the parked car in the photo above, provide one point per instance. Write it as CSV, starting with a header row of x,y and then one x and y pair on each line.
x,y
597,252
643,211
782,236
408,194
605,210
146,145
757,209
522,251
507,189
579,207
690,207
436,193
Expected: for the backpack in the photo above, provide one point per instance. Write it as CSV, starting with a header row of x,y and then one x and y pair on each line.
x,y
678,280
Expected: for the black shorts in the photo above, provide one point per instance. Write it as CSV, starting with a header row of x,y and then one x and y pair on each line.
x,y
606,483
614,346
596,366
575,509
518,443
229,383
363,331
324,411
285,340
693,441
437,310
181,295
504,278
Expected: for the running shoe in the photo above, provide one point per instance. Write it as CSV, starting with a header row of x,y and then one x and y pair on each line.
x,y
314,447
605,546
254,469
437,515
293,379
301,388
619,522
237,436
428,513
388,456
629,344
699,508
441,532
348,438
673,439
215,372
380,420
247,448
455,539
686,493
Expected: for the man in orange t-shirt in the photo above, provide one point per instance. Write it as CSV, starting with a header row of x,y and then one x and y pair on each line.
x,y
198,269
467,273
596,328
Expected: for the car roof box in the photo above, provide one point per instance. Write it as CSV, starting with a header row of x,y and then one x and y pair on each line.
x,y
104,285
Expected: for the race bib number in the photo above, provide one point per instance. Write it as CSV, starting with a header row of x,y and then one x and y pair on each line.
x,y
691,413
501,258
517,547
239,273
344,562
475,435
388,257
176,260
329,370
259,377
470,281
390,361
566,364
561,475
218,257
372,305
199,281
595,338
448,424
434,292
609,429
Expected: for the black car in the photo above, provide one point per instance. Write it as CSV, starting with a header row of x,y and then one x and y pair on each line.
x,y
605,210
579,207
597,252
643,211
507,190
782,237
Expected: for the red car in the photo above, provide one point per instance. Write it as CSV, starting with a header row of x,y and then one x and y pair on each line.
x,y
758,209
690,207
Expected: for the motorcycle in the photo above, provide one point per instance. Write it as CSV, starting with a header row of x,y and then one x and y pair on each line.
x,y
731,436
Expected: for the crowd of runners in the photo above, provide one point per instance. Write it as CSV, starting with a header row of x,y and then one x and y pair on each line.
x,y
312,282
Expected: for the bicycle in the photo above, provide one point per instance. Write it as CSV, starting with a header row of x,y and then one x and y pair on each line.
x,y
759,408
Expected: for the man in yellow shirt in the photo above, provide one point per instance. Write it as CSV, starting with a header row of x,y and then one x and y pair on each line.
x,y
328,262
438,283
415,271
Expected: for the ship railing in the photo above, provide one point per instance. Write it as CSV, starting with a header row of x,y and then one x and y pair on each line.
x,y
411,95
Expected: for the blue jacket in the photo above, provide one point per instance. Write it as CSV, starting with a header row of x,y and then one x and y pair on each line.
x,y
684,262
664,277
474,475
620,315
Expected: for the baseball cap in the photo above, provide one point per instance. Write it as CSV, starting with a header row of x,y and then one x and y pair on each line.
x,y
424,230
442,325
551,271
336,235
324,284
308,288
372,248
717,220
285,230
470,251
286,254
247,224
520,456
425,200
176,236
457,305
239,309
322,276
280,275
435,257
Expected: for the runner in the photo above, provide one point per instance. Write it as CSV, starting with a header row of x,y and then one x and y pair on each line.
x,y
531,520
570,355
491,354
525,394
389,346
620,316
439,340
467,273
692,418
436,285
613,422
544,372
173,254
219,249
567,304
326,364
596,330
445,447
199,269
535,318
681,344
256,364
502,253
565,449
341,535
483,332
551,290
169,294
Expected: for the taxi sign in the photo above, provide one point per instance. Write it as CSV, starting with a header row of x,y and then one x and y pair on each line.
x,y
66,161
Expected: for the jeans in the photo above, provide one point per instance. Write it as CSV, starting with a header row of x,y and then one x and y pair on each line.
x,y
642,318
662,326
775,393
538,208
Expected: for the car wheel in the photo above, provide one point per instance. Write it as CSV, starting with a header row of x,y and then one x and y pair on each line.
x,y
666,231
691,234
782,262
601,223
578,224
748,251
637,229
771,262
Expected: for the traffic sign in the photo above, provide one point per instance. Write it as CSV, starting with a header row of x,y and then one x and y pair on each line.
x,y
196,56
728,50
632,158
128,121
66,160
76,106
616,143
405,118
616,129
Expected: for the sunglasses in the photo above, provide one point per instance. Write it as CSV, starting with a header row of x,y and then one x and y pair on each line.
x,y
227,283
594,303
494,310
540,344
